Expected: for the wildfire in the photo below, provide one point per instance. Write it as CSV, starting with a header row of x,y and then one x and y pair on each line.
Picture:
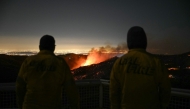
x,y
88,62
96,56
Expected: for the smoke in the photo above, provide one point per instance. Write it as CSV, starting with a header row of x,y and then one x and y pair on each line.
x,y
97,55
121,48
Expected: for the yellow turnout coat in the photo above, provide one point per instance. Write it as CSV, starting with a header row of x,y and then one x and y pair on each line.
x,y
41,80
139,80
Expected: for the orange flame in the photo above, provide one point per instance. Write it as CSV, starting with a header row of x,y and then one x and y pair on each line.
x,y
93,58
88,62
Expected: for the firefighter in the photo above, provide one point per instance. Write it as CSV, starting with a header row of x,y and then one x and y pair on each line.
x,y
139,80
42,79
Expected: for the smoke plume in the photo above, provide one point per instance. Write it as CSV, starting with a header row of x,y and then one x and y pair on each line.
x,y
97,55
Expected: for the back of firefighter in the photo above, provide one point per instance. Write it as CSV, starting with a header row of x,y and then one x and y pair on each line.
x,y
139,80
43,77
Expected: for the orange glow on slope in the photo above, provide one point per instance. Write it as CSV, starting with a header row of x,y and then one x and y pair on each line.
x,y
93,58
96,56
88,62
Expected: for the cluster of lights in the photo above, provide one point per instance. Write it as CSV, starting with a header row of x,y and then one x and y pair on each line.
x,y
33,52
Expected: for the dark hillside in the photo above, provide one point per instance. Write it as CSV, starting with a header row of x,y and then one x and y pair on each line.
x,y
95,71
9,67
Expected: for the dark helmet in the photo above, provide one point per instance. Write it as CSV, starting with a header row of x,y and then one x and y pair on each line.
x,y
136,38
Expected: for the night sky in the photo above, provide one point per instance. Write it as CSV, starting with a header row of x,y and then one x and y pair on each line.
x,y
79,25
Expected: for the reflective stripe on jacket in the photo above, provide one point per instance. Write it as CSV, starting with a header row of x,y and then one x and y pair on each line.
x,y
139,80
41,80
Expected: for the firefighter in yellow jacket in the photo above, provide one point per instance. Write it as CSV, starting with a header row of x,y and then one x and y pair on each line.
x,y
43,77
139,80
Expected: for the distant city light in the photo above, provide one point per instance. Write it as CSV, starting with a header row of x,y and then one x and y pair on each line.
x,y
173,68
171,76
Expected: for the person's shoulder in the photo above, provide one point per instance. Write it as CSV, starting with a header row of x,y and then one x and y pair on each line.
x,y
60,59
152,55
124,56
156,57
120,58
28,59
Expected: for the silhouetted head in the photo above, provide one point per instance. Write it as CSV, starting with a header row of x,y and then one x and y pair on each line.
x,y
47,42
136,38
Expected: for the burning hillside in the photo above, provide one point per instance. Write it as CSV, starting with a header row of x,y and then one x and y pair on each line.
x,y
94,71
103,53
98,63
95,56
